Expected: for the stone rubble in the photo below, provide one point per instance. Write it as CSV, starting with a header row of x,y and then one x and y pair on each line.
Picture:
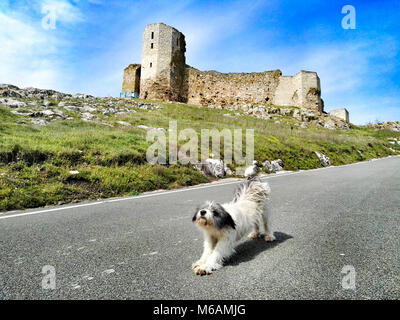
x,y
212,167
48,105
305,117
387,125
273,166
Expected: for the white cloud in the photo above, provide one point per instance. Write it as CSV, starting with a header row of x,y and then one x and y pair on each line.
x,y
24,58
365,109
32,55
355,75
65,12
206,30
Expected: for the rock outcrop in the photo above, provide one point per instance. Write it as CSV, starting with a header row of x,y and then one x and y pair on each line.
x,y
387,125
44,106
212,167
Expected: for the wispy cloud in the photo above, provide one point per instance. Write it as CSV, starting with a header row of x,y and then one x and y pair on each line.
x,y
25,55
32,55
354,75
65,11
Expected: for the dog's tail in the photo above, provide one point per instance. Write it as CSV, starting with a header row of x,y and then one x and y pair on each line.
x,y
253,190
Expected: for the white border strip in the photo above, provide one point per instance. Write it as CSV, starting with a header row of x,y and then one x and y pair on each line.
x,y
7,215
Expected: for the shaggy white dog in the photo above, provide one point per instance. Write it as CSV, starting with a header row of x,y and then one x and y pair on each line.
x,y
226,224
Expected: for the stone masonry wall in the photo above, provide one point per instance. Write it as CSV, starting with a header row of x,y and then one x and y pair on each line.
x,y
341,114
163,63
131,80
269,87
308,88
211,87
165,76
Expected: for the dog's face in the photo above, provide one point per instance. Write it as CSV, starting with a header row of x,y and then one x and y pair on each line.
x,y
213,215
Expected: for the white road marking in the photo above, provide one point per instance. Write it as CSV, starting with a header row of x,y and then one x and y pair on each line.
x,y
161,193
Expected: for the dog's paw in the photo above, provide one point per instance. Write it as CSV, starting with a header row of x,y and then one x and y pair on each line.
x,y
254,235
269,237
197,264
207,268
202,270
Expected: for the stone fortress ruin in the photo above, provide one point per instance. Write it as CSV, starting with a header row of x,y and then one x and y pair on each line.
x,y
163,75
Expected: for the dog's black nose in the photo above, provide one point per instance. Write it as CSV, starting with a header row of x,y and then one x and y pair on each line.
x,y
203,212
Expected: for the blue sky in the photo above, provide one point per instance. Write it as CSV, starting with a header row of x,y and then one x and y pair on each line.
x,y
94,40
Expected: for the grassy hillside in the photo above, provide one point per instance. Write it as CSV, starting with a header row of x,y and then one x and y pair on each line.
x,y
36,161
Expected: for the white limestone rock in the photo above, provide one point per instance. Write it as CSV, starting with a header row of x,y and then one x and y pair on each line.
x,y
325,161
330,124
123,123
212,167
86,116
13,103
273,166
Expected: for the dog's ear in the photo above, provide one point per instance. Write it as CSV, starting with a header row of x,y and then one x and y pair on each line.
x,y
222,219
195,214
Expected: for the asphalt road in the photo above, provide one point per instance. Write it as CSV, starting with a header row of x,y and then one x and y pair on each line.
x,y
142,248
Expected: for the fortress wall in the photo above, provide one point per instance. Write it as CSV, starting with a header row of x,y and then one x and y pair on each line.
x,y
341,114
270,87
302,90
131,80
285,94
211,87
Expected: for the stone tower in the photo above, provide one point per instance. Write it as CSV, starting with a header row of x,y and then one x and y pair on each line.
x,y
163,63
301,90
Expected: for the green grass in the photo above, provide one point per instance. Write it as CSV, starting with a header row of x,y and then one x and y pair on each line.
x,y
35,162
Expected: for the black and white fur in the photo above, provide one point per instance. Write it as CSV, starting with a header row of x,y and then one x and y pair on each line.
x,y
225,224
